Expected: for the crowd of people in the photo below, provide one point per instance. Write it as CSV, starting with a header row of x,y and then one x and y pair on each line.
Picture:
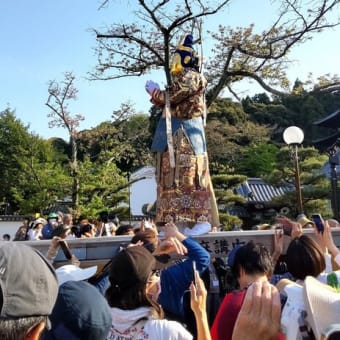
x,y
162,288
63,225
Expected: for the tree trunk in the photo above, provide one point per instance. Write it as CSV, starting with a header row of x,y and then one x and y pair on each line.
x,y
74,174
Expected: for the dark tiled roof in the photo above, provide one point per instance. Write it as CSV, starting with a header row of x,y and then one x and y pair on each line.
x,y
257,190
327,142
330,121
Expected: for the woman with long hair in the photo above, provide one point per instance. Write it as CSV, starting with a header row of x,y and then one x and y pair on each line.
x,y
132,295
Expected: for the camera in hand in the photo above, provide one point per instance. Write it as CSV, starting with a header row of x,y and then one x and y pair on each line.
x,y
66,250
287,230
284,223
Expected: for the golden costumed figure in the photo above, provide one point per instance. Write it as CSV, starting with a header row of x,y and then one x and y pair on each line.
x,y
184,190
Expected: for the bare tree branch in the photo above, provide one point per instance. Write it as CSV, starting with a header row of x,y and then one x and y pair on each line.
x,y
148,46
57,102
135,49
261,82
263,57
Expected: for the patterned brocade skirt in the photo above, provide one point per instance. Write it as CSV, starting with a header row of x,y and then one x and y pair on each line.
x,y
184,193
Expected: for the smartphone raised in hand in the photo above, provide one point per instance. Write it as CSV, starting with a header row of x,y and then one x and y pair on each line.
x,y
65,248
193,272
287,230
284,224
319,223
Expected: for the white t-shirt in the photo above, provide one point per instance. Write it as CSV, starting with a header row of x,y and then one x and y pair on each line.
x,y
129,324
34,234
337,259
109,228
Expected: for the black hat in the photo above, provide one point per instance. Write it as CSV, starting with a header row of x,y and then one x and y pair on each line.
x,y
188,41
132,266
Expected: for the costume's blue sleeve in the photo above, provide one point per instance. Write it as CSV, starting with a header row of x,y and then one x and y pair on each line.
x,y
176,279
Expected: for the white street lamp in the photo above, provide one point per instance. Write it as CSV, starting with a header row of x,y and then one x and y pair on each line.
x,y
293,137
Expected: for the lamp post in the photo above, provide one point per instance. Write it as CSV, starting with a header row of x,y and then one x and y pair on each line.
x,y
293,137
129,193
334,161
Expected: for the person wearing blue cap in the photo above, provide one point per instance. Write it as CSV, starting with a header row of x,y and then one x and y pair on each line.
x,y
80,313
48,228
185,194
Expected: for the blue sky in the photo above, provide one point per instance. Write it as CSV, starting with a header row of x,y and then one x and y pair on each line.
x,y
42,39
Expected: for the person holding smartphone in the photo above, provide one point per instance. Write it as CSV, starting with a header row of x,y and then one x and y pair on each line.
x,y
318,222
327,243
307,256
198,304
250,264
132,296
54,248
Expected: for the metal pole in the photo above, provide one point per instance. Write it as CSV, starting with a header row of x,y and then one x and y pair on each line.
x,y
297,180
334,187
129,192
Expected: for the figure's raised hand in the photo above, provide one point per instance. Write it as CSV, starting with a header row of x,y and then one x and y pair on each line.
x,y
151,86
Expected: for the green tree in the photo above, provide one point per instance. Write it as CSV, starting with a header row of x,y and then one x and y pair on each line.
x,y
135,139
108,153
314,184
272,113
303,110
125,140
303,107
229,132
225,184
258,160
14,137
102,188
42,180
30,169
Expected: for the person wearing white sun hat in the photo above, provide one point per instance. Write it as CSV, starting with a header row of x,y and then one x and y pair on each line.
x,y
70,272
310,309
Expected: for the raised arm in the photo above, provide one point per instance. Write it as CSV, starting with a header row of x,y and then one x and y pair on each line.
x,y
198,301
260,314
